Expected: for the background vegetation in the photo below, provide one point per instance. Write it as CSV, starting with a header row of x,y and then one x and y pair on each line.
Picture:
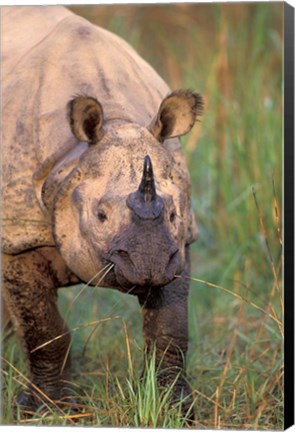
x,y
232,54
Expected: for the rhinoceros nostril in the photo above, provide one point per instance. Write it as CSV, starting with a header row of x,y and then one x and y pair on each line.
x,y
173,254
122,253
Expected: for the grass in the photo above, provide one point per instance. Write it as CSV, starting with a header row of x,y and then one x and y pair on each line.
x,y
232,54
105,401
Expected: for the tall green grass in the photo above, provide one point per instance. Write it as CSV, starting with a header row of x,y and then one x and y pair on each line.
x,y
232,54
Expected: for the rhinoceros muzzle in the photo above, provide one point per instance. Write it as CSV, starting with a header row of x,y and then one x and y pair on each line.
x,y
145,254
144,268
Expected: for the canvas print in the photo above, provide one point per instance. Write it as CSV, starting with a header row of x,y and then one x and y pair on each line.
x,y
142,216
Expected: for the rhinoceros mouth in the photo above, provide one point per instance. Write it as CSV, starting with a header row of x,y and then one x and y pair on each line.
x,y
127,287
136,277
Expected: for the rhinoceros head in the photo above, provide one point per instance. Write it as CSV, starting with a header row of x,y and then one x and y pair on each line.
x,y
127,202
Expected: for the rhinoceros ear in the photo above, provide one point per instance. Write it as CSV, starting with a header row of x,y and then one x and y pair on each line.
x,y
86,119
177,114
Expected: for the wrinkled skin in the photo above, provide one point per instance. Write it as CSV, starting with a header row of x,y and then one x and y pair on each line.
x,y
115,191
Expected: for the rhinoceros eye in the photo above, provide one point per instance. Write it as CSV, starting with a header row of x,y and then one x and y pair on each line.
x,y
101,216
172,216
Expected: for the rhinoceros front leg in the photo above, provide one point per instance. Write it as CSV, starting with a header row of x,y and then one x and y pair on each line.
x,y
30,294
165,327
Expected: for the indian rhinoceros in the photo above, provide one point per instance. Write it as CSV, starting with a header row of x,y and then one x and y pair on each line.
x,y
93,174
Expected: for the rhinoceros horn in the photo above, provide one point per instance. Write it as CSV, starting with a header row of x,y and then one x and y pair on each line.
x,y
145,203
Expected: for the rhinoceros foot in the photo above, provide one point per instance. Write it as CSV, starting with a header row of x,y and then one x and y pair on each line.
x,y
182,393
26,402
29,401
